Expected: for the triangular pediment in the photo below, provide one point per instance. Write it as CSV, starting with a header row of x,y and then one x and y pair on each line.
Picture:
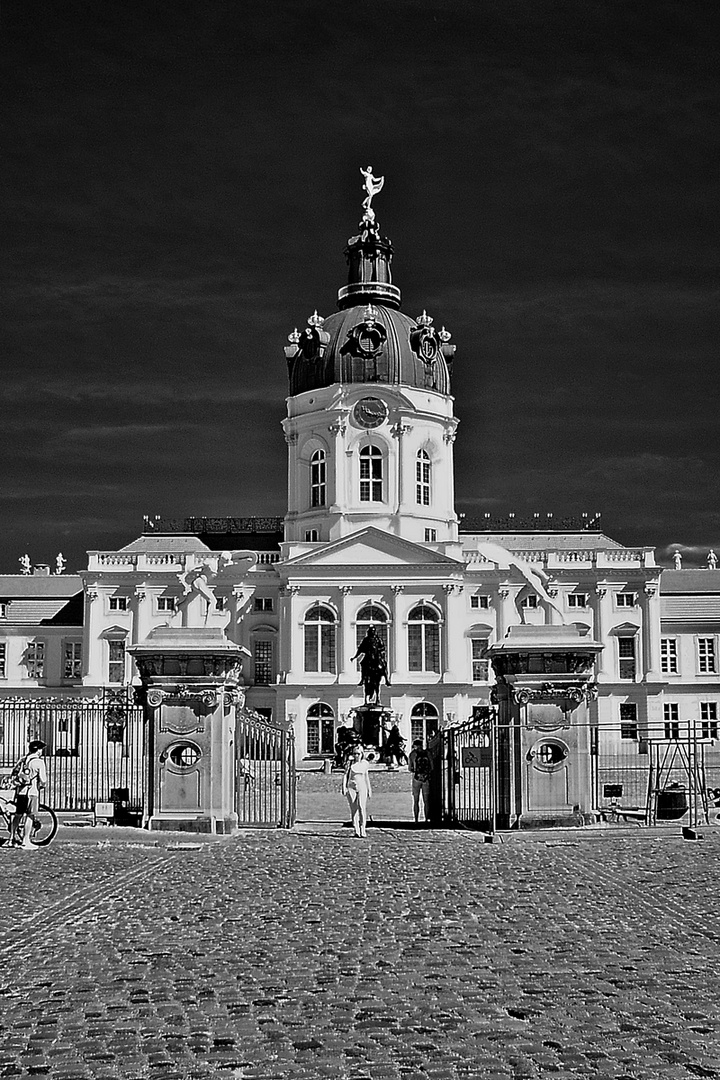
x,y
372,547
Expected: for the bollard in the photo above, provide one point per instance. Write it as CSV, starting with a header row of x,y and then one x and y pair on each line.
x,y
327,766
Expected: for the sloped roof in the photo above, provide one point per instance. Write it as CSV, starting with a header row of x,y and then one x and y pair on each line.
x,y
166,543
38,586
690,581
540,541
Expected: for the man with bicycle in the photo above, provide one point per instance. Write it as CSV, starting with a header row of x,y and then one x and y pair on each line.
x,y
32,776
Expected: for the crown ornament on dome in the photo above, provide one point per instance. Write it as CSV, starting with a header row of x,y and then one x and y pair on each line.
x,y
315,319
424,319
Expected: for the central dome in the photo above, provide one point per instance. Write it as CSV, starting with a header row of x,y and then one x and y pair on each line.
x,y
369,340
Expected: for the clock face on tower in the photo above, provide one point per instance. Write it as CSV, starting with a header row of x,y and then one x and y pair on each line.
x,y
370,412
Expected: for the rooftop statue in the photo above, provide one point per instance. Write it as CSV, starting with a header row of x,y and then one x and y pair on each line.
x,y
373,185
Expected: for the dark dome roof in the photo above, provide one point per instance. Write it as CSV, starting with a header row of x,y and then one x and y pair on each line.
x,y
369,340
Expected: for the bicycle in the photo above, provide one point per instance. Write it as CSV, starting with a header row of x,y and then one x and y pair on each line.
x,y
41,836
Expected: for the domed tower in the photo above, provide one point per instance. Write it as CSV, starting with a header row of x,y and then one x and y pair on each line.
x,y
370,425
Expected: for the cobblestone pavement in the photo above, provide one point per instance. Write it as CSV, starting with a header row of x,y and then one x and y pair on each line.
x,y
413,954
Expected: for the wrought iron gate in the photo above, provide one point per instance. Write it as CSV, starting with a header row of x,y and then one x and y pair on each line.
x,y
265,781
462,783
95,747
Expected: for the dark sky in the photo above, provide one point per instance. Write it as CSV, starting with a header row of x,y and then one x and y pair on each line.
x,y
179,180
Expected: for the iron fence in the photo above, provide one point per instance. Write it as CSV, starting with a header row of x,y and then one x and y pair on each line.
x,y
94,747
265,784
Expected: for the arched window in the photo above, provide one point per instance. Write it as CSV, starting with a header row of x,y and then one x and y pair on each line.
x,y
371,474
318,473
423,639
371,615
422,478
320,729
423,722
320,639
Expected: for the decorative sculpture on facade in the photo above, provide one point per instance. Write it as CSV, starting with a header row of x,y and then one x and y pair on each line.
x,y
712,560
535,577
677,560
60,563
373,666
25,564
373,186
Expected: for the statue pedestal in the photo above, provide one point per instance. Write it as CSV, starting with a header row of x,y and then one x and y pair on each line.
x,y
372,723
189,691
544,688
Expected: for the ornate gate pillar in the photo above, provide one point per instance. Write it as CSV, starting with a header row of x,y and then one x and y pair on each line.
x,y
189,693
544,685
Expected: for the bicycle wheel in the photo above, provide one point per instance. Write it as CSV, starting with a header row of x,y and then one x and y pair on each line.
x,y
48,827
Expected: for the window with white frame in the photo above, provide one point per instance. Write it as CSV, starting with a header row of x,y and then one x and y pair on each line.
x,y
320,729
669,656
529,601
706,656
263,603
430,536
35,659
116,660
480,662
312,536
221,603
371,474
424,722
628,720
166,603
708,719
3,660
672,720
3,609
424,639
480,601
72,666
118,603
627,658
372,615
422,478
577,600
320,636
318,481
625,599
263,659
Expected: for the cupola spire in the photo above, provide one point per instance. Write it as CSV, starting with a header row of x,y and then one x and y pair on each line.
x,y
369,256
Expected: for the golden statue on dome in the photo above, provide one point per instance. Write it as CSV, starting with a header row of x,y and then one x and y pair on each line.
x,y
373,185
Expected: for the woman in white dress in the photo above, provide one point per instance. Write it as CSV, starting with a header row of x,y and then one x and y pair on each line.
x,y
356,787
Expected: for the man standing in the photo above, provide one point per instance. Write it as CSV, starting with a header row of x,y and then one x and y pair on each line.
x,y
32,776
420,766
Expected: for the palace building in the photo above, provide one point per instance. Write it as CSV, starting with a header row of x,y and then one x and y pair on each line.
x,y
371,538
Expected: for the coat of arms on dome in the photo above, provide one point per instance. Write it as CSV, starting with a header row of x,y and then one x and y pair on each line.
x,y
429,344
367,338
311,343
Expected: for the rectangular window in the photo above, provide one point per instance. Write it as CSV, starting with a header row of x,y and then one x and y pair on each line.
x,y
707,663
35,659
430,536
422,479
320,647
577,600
166,603
221,603
626,599
628,720
118,603
672,720
3,609
116,661
480,665
482,602
423,647
3,660
72,668
263,603
264,662
529,601
370,475
708,720
626,657
668,656
311,536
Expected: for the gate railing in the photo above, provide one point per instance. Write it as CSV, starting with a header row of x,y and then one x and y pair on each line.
x,y
265,779
94,747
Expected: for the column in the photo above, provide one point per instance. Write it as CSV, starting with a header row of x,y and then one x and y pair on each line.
x,y
343,637
505,605
454,654
601,599
650,606
397,645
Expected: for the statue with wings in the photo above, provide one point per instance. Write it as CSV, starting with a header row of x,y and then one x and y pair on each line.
x,y
373,185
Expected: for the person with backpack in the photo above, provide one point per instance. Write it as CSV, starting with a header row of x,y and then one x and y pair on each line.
x,y
28,777
420,766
